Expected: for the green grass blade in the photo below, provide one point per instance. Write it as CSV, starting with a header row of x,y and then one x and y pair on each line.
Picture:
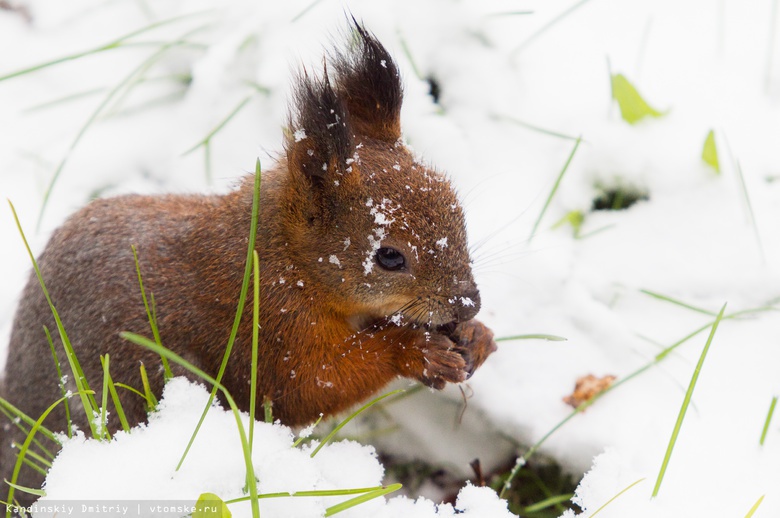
x,y
677,302
207,160
709,152
57,61
38,458
575,219
268,410
408,53
114,44
23,451
594,232
501,14
304,11
755,507
17,417
29,462
87,399
533,127
61,380
303,436
210,505
150,314
686,403
768,420
550,338
312,493
109,382
206,142
131,389
343,423
28,490
239,309
546,27
64,100
633,106
104,401
151,400
222,124
620,381
751,214
178,78
597,511
127,80
551,499
341,492
770,47
178,360
547,502
141,78
255,338
668,350
555,188
349,504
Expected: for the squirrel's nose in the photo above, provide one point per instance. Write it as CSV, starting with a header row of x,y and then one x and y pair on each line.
x,y
467,305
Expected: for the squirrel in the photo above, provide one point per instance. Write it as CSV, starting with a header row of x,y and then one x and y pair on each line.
x,y
364,268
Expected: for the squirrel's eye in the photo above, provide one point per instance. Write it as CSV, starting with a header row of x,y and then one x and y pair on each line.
x,y
390,259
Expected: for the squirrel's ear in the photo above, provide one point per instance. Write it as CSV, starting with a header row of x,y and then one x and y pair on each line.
x,y
320,138
367,80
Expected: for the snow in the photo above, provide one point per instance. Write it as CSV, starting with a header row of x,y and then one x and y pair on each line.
x,y
149,454
708,65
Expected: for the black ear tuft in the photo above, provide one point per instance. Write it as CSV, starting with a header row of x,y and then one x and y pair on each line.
x,y
320,138
367,80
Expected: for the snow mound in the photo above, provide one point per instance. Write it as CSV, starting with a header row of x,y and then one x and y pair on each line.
x,y
140,466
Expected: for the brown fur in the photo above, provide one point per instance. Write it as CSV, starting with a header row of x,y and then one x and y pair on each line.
x,y
334,326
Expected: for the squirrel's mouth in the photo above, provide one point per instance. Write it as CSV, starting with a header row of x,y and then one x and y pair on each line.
x,y
446,329
434,314
365,321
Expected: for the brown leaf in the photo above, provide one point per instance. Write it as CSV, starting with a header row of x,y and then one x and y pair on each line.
x,y
587,388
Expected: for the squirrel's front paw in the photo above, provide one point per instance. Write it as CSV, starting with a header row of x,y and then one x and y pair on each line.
x,y
474,342
442,362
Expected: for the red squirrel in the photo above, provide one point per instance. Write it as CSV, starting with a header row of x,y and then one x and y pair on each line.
x,y
364,270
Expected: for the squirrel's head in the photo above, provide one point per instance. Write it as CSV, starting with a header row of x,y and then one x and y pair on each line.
x,y
383,233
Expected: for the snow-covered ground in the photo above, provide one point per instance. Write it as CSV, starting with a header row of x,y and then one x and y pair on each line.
x,y
700,237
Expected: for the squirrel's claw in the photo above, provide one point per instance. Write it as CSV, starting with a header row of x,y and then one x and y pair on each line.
x,y
442,363
474,342
454,357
